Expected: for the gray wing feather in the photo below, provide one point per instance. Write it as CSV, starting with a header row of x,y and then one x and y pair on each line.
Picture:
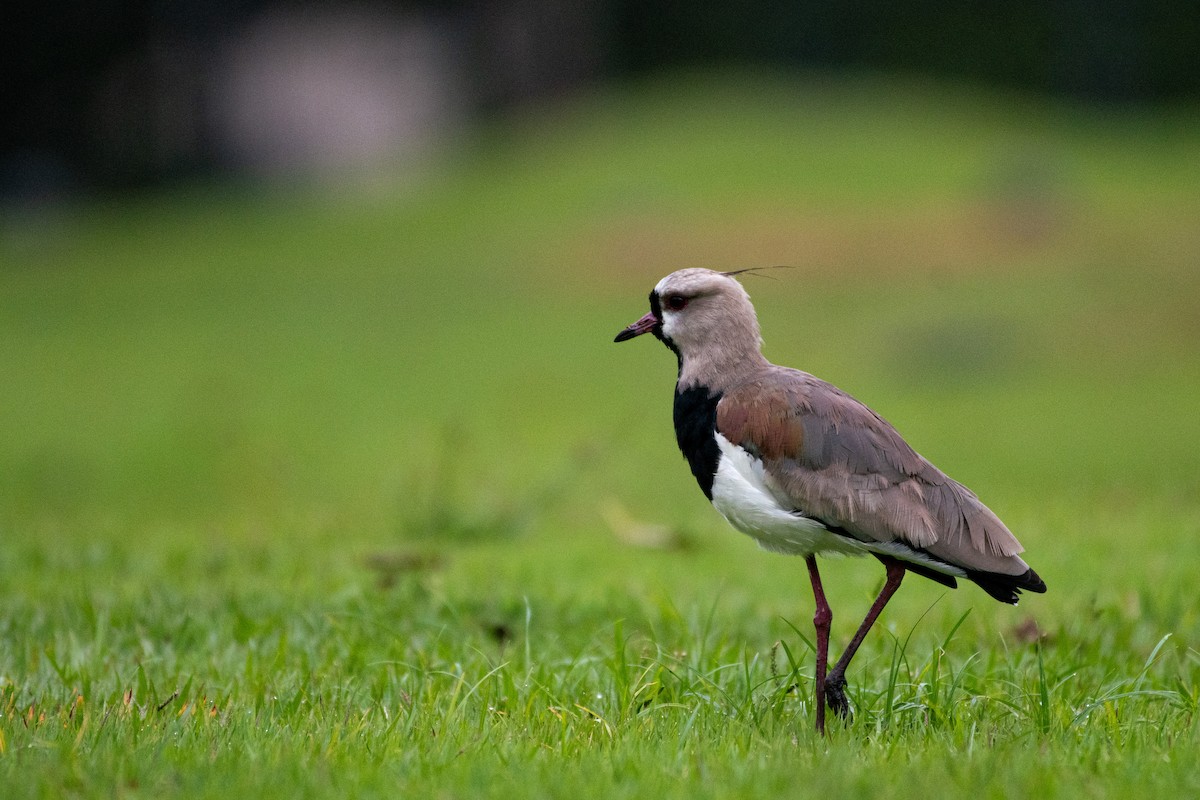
x,y
854,471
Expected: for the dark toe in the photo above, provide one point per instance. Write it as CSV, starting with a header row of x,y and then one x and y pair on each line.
x,y
835,696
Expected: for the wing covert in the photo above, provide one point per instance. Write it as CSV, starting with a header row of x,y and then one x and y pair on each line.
x,y
830,457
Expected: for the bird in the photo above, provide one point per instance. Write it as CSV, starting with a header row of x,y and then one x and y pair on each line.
x,y
806,469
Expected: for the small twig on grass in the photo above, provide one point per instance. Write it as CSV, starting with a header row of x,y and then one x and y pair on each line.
x,y
168,701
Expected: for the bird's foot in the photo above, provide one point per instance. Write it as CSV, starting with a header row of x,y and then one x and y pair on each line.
x,y
835,696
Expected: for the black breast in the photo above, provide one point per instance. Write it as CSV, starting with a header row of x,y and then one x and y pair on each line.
x,y
695,431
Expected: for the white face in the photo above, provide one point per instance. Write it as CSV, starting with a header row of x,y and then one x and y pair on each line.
x,y
670,308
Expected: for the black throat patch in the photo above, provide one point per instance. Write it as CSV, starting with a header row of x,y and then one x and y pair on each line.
x,y
695,431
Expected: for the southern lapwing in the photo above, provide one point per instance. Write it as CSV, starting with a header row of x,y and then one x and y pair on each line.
x,y
806,469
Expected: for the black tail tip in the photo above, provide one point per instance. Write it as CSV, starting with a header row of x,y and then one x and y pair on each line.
x,y
1007,588
1033,582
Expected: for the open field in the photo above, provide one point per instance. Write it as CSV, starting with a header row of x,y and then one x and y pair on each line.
x,y
350,494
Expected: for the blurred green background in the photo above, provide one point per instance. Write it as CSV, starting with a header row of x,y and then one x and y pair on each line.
x,y
317,373
320,474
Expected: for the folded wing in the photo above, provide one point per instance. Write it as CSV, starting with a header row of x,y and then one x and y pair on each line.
x,y
830,457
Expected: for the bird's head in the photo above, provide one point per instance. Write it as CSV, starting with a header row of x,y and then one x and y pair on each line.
x,y
702,316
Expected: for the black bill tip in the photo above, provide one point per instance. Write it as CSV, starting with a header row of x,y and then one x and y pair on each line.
x,y
644,325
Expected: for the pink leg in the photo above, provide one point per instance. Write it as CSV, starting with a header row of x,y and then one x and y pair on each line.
x,y
836,681
822,618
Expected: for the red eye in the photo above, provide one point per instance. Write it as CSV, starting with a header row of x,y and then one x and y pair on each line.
x,y
676,302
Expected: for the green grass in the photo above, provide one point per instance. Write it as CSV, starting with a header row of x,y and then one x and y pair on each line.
x,y
344,493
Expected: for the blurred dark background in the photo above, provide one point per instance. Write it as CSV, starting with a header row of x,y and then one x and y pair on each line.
x,y
107,94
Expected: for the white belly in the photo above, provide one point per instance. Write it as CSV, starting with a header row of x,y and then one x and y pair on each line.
x,y
741,493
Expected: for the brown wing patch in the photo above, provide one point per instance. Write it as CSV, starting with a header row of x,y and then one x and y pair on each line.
x,y
762,419
846,466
